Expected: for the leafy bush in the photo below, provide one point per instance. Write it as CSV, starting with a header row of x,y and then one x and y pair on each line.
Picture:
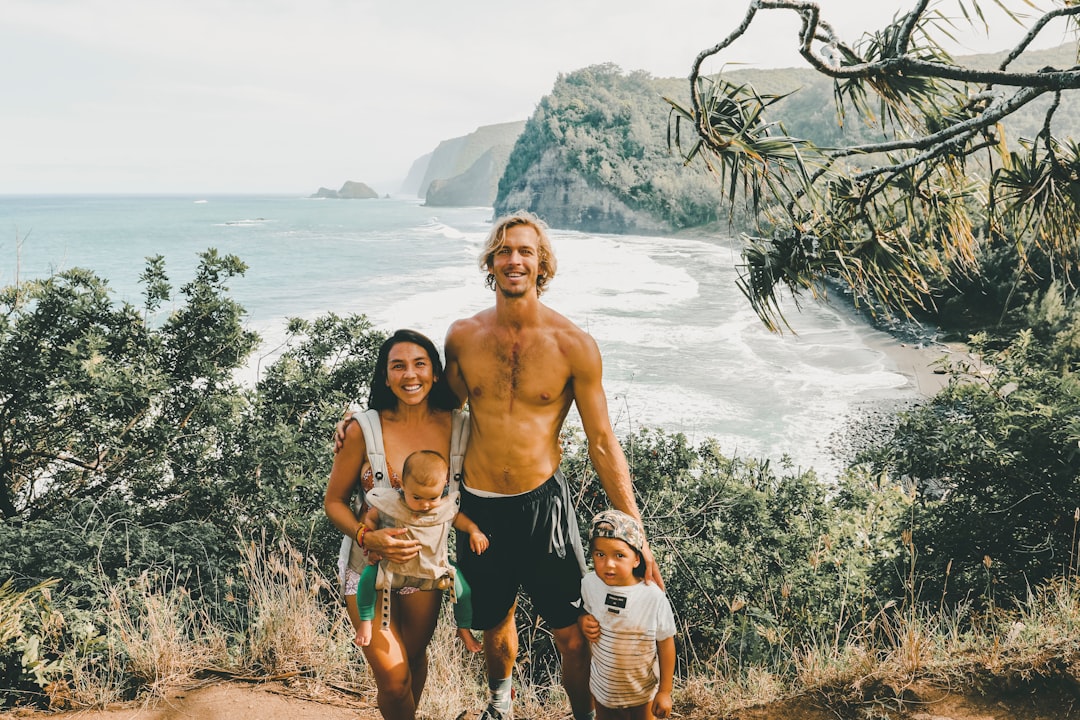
x,y
127,448
995,458
756,561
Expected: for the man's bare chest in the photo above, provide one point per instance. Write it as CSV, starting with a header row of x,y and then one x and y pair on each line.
x,y
534,373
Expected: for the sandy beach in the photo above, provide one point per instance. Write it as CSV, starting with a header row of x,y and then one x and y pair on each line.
x,y
923,364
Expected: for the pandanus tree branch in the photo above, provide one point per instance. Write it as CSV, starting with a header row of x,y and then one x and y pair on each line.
x,y
885,216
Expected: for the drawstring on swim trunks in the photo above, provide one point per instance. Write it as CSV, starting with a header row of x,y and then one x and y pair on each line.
x,y
562,535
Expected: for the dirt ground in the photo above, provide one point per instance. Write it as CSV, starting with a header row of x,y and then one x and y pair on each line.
x,y
229,701
923,701
220,700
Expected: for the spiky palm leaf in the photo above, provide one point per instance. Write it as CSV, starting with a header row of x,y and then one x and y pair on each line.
x,y
886,215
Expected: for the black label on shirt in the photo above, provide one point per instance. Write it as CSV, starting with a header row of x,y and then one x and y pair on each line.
x,y
617,601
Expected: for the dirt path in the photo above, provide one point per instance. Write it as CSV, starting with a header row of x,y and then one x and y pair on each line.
x,y
231,701
222,700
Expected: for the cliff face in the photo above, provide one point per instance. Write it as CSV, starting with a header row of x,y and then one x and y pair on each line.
x,y
466,170
411,185
565,199
476,186
594,157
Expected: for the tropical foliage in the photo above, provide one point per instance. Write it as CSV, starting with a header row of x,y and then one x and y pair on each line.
x,y
897,217
995,460
128,447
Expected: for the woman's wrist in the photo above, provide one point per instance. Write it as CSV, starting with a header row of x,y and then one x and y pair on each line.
x,y
359,536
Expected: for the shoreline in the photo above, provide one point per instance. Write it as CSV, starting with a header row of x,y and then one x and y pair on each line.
x,y
910,348
924,365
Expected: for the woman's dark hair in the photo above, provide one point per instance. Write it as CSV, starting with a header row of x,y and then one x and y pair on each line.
x,y
380,397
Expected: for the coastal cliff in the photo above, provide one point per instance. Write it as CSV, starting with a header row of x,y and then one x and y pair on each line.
x,y
476,186
594,157
465,170
595,154
564,198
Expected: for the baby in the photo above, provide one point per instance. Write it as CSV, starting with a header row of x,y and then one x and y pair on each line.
x,y
424,507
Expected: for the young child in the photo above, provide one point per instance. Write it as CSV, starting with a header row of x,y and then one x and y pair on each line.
x,y
423,506
633,662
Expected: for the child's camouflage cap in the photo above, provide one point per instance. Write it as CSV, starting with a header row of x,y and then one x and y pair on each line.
x,y
620,526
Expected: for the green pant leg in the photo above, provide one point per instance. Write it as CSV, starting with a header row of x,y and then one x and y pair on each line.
x,y
462,600
365,592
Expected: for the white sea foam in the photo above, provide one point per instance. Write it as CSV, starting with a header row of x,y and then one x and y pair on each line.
x,y
434,227
681,348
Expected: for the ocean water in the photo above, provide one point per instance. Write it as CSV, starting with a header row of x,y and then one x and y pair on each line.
x,y
682,349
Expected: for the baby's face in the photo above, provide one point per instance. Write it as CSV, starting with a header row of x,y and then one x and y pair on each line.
x,y
421,497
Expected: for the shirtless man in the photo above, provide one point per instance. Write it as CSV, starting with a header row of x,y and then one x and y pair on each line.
x,y
520,365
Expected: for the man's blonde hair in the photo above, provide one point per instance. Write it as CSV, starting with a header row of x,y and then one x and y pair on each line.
x,y
497,238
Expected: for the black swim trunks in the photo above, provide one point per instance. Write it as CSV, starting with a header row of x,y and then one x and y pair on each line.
x,y
535,546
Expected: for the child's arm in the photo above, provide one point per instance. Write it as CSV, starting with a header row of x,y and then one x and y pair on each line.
x,y
587,622
478,541
665,650
590,627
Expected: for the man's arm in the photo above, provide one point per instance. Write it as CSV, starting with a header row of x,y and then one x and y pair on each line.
x,y
453,368
604,450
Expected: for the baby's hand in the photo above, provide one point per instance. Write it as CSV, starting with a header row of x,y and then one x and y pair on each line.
x,y
478,542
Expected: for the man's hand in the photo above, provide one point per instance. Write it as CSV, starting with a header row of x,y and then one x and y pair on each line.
x,y
652,570
339,431
590,627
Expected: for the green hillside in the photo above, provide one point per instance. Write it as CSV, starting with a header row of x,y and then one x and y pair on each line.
x,y
612,129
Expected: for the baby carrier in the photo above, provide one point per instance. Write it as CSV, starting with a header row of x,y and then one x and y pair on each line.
x,y
431,529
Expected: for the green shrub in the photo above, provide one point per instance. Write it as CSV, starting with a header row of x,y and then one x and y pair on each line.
x,y
996,462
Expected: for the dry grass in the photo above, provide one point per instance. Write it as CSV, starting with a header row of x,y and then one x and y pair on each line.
x,y
454,675
288,629
156,637
157,632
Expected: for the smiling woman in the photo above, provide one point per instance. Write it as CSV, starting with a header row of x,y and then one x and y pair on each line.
x,y
415,412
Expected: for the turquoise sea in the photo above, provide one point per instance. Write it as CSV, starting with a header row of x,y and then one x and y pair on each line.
x,y
682,349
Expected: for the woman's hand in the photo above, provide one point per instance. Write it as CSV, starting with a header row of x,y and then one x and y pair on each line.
x,y
389,544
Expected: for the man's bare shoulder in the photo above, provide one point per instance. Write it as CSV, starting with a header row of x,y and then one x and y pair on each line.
x,y
471,324
462,332
572,339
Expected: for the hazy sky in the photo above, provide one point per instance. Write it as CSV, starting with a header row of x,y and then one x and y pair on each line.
x,y
276,96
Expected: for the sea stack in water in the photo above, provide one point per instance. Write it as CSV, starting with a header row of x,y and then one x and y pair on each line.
x,y
351,190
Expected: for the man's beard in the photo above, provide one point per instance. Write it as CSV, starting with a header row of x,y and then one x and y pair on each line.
x,y
511,294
